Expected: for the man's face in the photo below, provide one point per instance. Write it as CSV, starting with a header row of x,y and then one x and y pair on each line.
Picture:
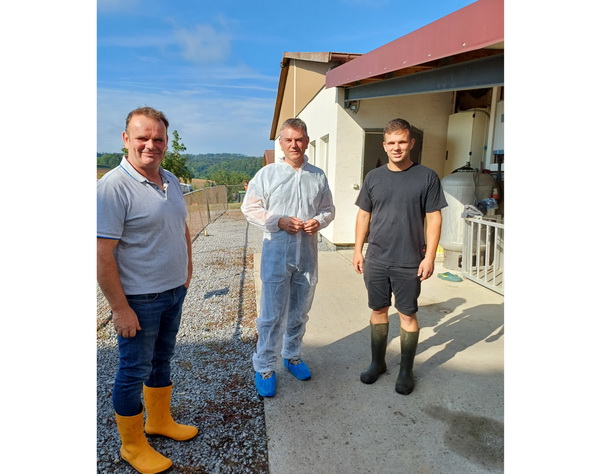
x,y
146,142
293,144
397,146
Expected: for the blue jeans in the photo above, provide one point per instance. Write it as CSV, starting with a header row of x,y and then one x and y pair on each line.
x,y
146,357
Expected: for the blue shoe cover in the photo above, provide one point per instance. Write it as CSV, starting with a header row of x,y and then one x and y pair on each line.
x,y
265,387
300,371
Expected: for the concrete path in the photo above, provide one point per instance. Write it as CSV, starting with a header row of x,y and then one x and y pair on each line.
x,y
451,423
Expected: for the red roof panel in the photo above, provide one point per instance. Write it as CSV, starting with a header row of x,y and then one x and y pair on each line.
x,y
473,27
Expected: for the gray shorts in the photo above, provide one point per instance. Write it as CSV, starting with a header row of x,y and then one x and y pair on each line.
x,y
382,280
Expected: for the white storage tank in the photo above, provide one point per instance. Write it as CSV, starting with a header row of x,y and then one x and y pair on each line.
x,y
464,186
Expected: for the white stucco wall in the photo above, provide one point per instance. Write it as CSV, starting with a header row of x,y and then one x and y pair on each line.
x,y
427,112
326,117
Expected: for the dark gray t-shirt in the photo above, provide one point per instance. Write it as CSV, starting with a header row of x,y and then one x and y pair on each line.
x,y
149,224
398,202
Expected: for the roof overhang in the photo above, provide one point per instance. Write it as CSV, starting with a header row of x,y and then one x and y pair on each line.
x,y
474,74
462,50
325,57
288,58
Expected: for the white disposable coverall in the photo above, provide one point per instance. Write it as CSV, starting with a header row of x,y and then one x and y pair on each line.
x,y
288,268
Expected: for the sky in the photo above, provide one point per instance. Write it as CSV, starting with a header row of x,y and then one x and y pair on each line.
x,y
70,74
213,66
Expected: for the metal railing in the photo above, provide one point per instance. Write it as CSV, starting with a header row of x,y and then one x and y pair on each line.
x,y
203,206
484,243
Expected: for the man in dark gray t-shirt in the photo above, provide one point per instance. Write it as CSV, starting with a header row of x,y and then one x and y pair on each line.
x,y
394,203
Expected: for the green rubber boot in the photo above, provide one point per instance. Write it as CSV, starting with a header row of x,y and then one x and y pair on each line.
x,y
379,336
405,383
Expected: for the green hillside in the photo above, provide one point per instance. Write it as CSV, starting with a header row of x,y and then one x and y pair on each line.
x,y
203,166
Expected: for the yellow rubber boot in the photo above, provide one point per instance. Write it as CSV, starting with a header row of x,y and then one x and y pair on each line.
x,y
135,448
158,415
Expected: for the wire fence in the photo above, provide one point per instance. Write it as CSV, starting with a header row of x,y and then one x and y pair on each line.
x,y
203,207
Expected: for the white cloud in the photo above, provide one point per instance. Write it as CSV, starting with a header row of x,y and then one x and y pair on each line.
x,y
203,96
137,41
205,122
203,43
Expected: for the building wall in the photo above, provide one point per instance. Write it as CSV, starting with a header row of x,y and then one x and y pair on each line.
x,y
321,120
427,112
304,80
325,116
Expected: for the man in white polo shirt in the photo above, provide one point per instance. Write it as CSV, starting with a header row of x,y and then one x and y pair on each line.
x,y
144,270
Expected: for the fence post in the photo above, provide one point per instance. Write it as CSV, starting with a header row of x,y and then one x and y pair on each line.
x,y
208,206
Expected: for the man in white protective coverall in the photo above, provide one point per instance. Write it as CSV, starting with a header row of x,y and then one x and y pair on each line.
x,y
290,201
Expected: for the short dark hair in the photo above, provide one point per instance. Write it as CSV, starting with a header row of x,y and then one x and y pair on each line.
x,y
150,113
395,125
296,124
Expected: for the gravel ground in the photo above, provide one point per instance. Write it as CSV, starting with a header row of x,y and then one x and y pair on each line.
x,y
213,386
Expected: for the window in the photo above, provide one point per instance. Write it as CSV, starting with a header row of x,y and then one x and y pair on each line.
x,y
311,152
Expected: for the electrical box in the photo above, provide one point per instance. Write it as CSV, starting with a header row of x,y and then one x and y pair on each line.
x,y
466,139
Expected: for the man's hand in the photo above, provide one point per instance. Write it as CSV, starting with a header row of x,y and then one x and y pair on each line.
x,y
311,226
363,220
291,225
426,269
358,262
126,322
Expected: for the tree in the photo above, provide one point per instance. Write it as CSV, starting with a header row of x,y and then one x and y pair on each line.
x,y
232,179
229,178
202,166
175,162
109,160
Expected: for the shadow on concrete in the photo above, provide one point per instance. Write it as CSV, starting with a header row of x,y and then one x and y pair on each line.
x,y
483,323
453,421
